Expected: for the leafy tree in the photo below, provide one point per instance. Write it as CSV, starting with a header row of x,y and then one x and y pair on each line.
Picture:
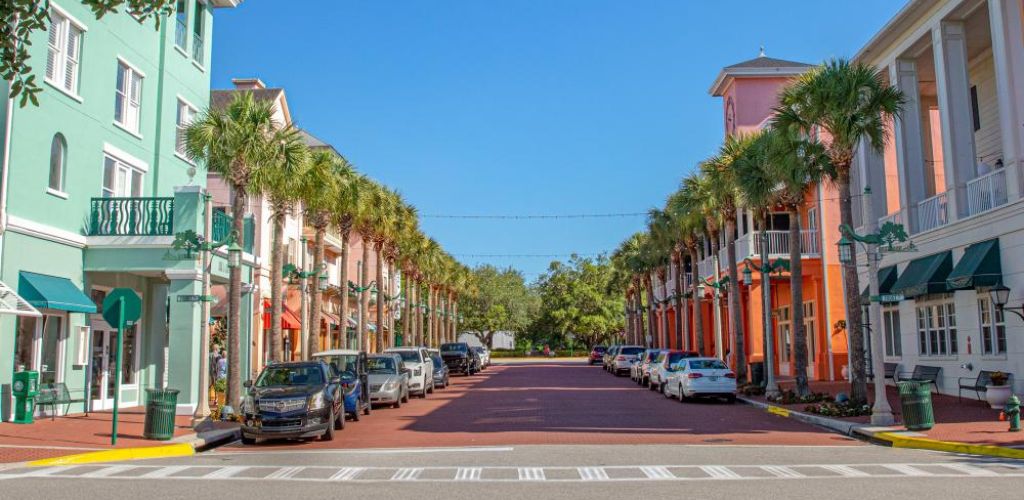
x,y
500,301
579,298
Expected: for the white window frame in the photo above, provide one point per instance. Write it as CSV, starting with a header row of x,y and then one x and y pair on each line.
x,y
59,53
785,320
122,160
810,320
62,337
936,327
179,127
131,120
892,331
991,324
61,189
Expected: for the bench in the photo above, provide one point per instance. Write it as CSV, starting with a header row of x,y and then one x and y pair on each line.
x,y
56,394
980,384
923,373
890,372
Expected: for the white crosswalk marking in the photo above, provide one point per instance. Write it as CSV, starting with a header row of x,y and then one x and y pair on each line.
x,y
468,473
46,471
226,472
164,471
592,473
719,472
407,474
657,473
531,474
284,473
346,474
845,470
907,470
109,471
780,471
970,470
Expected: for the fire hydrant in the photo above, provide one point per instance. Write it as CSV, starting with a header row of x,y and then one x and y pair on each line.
x,y
1012,413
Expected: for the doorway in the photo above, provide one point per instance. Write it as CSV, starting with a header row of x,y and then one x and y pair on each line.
x,y
103,360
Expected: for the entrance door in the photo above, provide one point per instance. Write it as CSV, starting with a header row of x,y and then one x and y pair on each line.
x,y
104,368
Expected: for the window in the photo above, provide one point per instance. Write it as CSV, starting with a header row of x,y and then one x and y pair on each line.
x,y
891,325
975,109
936,328
812,218
809,329
128,97
58,162
120,179
197,34
181,24
39,346
993,327
186,113
785,334
64,50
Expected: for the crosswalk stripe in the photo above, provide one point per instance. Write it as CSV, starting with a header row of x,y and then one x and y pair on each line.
x,y
346,474
907,470
657,473
164,471
468,474
109,471
47,471
407,474
719,472
592,473
781,471
226,472
284,473
971,470
845,470
531,474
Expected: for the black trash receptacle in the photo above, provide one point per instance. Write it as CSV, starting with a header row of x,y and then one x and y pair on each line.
x,y
757,373
160,409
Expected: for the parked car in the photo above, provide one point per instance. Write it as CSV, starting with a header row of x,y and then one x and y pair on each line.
x,y
440,369
485,356
460,358
624,358
659,369
350,365
609,355
640,369
292,401
389,379
704,377
596,354
421,380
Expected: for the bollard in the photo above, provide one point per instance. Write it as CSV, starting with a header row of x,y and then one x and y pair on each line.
x,y
1012,413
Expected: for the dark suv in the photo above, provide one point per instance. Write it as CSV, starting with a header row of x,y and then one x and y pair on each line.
x,y
293,401
460,358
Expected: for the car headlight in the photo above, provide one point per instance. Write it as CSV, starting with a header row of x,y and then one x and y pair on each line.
x,y
390,386
316,402
248,404
417,372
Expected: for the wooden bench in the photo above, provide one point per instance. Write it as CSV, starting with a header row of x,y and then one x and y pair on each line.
x,y
980,383
890,372
924,373
56,394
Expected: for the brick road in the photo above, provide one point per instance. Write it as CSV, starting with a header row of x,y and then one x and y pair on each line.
x,y
561,403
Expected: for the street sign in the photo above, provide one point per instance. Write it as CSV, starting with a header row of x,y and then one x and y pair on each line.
x,y
888,297
132,306
196,298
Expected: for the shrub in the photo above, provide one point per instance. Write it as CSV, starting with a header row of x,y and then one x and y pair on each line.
x,y
829,409
789,397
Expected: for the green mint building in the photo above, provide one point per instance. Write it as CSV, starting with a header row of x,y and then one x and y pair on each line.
x,y
94,189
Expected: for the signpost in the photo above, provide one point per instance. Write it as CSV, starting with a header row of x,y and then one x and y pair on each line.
x,y
122,307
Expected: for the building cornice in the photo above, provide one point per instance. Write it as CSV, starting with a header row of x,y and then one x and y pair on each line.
x,y
42,231
722,81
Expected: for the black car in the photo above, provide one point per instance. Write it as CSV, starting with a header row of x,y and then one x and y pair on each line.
x,y
440,369
460,358
293,401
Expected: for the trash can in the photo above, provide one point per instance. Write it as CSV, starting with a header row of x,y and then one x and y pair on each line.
x,y
916,401
160,409
757,373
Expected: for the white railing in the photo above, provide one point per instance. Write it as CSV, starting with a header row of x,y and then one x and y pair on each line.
x,y
986,192
895,218
749,245
932,212
706,268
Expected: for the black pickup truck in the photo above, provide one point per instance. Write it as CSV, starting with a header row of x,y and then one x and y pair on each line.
x,y
460,358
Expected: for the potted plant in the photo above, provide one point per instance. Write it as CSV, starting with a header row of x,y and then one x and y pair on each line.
x,y
998,391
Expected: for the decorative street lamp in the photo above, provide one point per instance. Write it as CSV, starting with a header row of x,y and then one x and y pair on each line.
x,y
234,254
1000,295
766,269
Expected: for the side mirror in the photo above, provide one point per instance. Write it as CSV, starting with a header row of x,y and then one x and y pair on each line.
x,y
247,384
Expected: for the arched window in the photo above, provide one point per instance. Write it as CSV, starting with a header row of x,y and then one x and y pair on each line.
x,y
58,162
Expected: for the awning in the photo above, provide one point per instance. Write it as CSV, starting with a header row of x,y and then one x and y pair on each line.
x,y
331,319
12,303
289,320
886,279
352,323
925,275
53,292
980,266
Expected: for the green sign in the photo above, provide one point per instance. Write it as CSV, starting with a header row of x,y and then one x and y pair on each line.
x,y
112,305
887,298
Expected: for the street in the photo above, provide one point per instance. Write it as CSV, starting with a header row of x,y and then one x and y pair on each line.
x,y
548,430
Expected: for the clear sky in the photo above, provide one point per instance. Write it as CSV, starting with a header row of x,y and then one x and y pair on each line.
x,y
523,106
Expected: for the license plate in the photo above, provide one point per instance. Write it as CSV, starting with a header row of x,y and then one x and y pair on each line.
x,y
713,379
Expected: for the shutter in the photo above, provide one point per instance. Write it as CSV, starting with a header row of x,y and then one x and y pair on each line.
x,y
53,54
71,58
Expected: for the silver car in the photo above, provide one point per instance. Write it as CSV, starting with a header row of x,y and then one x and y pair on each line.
x,y
388,378
624,358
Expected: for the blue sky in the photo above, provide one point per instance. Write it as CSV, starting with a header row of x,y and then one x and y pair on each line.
x,y
523,106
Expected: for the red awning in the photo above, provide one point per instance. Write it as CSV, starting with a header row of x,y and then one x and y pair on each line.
x,y
331,319
289,320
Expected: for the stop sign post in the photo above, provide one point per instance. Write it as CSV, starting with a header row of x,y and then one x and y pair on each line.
x,y
121,307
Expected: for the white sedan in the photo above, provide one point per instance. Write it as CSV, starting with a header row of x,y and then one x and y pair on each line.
x,y
700,377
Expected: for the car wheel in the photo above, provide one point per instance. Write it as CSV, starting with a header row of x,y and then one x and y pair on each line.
x,y
328,434
369,409
405,398
682,396
431,389
398,402
248,440
339,421
664,391
355,415
651,386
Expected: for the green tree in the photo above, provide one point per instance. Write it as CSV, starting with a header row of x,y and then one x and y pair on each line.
x,y
318,189
580,297
499,301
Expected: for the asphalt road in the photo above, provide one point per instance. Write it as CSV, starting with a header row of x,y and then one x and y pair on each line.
x,y
544,431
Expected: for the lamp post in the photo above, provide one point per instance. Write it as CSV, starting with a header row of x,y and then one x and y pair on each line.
x,y
716,296
1000,295
766,268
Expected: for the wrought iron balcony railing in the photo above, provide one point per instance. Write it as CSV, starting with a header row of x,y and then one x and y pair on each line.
x,y
131,217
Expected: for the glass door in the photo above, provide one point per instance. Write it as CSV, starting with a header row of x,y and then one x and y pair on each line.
x,y
102,383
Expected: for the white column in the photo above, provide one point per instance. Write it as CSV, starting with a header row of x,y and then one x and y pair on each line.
x,y
953,86
909,146
1008,55
871,173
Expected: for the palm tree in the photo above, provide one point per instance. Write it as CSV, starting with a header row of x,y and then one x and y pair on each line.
x,y
662,242
366,225
319,190
244,145
627,260
382,231
352,197
850,103
685,204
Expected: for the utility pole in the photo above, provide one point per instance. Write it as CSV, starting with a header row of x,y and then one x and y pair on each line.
x,y
203,406
304,304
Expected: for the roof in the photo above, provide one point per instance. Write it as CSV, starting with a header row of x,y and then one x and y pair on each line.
x,y
220,98
314,142
912,12
768,62
761,66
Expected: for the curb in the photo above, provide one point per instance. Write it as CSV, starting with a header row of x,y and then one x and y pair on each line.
x,y
845,428
183,446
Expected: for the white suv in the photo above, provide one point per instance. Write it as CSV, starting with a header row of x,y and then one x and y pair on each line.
x,y
417,359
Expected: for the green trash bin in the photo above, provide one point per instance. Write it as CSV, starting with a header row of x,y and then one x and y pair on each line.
x,y
160,408
916,401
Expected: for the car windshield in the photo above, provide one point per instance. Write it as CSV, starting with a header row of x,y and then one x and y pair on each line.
x,y
381,365
342,364
290,375
675,356
454,348
632,351
409,356
707,364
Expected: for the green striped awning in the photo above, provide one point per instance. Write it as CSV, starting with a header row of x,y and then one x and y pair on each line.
x,y
980,266
925,275
53,292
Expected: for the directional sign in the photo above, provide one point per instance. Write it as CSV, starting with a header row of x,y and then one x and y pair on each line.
x,y
132,306
887,298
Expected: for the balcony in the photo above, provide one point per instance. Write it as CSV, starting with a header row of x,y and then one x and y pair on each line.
x,y
986,192
706,267
933,212
131,217
222,228
749,245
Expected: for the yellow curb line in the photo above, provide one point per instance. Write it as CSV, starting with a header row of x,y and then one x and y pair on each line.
x,y
172,450
778,410
899,441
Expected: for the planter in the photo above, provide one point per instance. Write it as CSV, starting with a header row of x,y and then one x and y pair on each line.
x,y
996,395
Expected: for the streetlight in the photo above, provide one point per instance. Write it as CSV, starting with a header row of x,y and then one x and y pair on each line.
x,y
1000,295
766,269
234,254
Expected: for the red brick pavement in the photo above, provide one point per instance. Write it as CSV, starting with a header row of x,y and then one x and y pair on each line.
x,y
76,434
561,403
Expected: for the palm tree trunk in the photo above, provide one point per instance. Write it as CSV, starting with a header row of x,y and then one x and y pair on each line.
x,y
234,397
407,336
851,288
382,340
663,335
364,298
698,315
316,296
390,318
796,289
735,314
276,285
344,289
677,293
420,338
771,387
651,310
